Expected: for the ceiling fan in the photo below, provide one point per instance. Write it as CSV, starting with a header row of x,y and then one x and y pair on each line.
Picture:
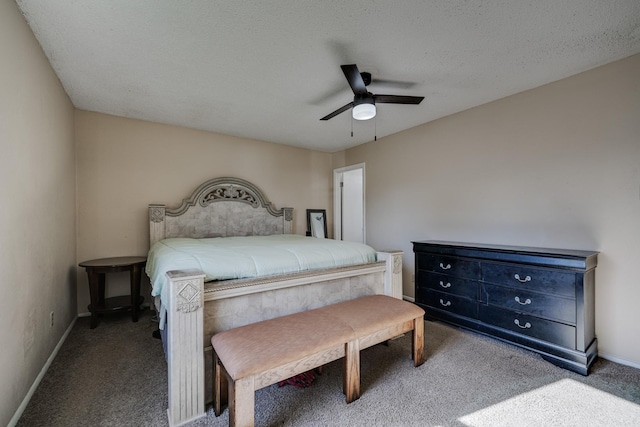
x,y
364,102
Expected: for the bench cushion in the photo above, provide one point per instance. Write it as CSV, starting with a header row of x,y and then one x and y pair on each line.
x,y
367,315
249,350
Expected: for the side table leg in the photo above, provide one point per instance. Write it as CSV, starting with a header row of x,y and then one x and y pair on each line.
x,y
102,285
94,294
134,276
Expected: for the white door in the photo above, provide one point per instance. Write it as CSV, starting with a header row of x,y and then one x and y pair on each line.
x,y
349,203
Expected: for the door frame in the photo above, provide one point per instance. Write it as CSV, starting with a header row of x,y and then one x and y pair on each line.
x,y
337,200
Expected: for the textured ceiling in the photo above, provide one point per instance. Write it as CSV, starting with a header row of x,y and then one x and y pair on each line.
x,y
269,70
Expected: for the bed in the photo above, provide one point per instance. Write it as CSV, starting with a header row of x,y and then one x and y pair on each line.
x,y
195,303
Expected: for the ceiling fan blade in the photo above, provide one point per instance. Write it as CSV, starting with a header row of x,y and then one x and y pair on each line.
x,y
397,99
338,111
354,78
395,84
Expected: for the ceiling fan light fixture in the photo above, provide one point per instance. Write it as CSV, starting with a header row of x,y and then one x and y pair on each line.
x,y
364,111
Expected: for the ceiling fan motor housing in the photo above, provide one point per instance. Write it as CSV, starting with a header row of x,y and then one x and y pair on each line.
x,y
363,99
366,78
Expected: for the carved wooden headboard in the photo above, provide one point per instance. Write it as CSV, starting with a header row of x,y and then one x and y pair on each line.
x,y
220,207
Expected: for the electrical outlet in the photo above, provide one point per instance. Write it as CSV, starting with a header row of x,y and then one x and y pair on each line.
x,y
51,319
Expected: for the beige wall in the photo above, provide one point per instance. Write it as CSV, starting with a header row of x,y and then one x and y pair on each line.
x,y
124,165
557,166
37,219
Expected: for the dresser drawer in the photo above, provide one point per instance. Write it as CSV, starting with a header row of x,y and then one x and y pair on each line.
x,y
451,303
449,265
449,284
524,301
527,277
546,330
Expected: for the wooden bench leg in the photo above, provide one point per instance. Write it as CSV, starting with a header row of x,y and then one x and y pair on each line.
x,y
220,385
418,341
242,402
351,377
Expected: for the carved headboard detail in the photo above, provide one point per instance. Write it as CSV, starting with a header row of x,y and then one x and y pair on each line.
x,y
220,207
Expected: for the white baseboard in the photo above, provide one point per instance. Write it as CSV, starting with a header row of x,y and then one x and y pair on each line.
x,y
616,359
43,371
408,298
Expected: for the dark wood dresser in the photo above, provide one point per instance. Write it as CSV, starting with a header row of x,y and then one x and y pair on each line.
x,y
539,299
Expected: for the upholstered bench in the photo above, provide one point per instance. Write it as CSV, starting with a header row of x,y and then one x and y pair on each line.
x,y
254,356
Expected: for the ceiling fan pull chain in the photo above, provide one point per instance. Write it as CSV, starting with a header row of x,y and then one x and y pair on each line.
x,y
375,127
351,126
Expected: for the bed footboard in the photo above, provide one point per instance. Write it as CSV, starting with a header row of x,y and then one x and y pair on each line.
x,y
186,319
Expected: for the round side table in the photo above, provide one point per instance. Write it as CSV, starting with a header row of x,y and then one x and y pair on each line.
x,y
97,269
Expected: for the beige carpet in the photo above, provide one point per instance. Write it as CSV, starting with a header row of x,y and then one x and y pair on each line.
x,y
115,375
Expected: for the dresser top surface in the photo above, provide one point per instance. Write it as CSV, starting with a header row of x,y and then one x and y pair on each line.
x,y
507,248
586,259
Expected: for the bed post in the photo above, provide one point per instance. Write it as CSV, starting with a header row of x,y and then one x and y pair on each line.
x,y
156,223
185,361
287,221
393,272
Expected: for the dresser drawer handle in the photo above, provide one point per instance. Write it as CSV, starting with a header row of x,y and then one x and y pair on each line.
x,y
526,302
445,267
526,325
445,304
447,285
525,280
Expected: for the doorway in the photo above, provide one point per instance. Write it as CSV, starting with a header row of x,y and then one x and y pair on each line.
x,y
349,191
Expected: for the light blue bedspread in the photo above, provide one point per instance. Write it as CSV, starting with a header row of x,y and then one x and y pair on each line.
x,y
223,258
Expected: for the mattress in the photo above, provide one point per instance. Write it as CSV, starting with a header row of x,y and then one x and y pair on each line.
x,y
224,258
